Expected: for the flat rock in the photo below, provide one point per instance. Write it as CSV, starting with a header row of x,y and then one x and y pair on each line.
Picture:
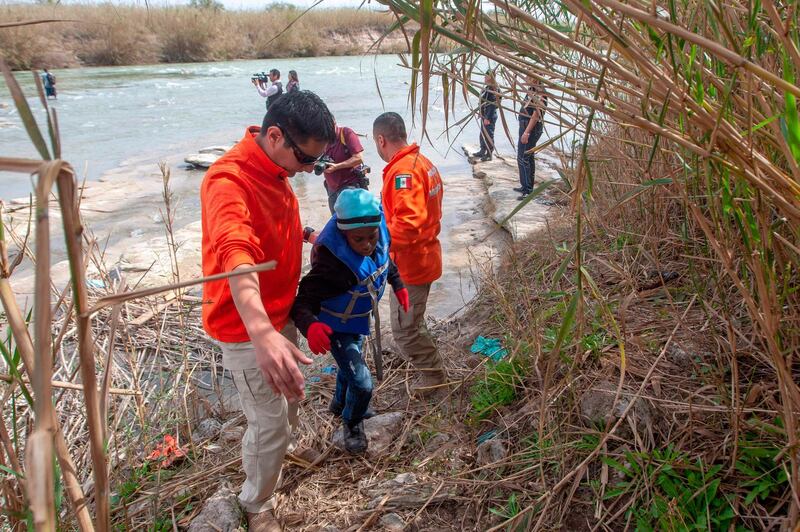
x,y
392,521
598,407
491,451
221,512
205,157
381,430
501,176
404,491
207,429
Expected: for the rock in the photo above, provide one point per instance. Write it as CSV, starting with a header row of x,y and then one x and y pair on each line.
x,y
233,434
221,512
491,451
381,432
206,156
207,429
597,407
436,442
393,521
678,356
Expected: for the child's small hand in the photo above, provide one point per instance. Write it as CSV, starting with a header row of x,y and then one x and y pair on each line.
x,y
402,298
319,340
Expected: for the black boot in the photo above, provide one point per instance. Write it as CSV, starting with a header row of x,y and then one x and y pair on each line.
x,y
337,408
355,439
487,157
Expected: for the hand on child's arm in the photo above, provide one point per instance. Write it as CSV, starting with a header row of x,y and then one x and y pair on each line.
x,y
402,298
319,340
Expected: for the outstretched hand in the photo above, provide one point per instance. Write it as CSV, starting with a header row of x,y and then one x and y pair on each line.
x,y
319,338
278,358
402,298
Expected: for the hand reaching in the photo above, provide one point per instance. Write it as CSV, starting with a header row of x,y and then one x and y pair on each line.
x,y
278,358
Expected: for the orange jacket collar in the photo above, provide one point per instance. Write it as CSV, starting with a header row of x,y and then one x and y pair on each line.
x,y
402,152
258,158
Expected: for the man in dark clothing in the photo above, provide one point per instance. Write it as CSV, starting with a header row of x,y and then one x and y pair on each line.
x,y
274,91
347,155
488,114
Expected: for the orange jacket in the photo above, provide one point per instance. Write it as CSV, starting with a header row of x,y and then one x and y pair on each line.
x,y
412,204
249,215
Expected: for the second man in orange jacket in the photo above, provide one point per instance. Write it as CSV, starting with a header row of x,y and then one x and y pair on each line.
x,y
412,204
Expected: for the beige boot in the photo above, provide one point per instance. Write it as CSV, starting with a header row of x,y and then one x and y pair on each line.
x,y
430,381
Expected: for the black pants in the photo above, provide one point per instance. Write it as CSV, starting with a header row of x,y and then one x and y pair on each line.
x,y
487,136
525,161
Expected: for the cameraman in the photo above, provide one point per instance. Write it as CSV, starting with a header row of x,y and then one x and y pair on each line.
x,y
273,91
347,154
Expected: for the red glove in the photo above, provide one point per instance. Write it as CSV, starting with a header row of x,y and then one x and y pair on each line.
x,y
319,338
402,298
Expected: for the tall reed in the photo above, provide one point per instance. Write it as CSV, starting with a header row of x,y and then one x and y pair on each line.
x,y
697,100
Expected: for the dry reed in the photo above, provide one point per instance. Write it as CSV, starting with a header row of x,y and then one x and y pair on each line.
x,y
126,35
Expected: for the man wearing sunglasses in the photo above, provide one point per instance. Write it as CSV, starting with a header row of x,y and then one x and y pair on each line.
x,y
250,215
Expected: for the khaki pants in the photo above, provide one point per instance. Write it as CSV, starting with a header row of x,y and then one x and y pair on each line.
x,y
271,421
410,332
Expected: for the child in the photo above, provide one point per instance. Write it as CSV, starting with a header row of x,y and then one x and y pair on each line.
x,y
350,265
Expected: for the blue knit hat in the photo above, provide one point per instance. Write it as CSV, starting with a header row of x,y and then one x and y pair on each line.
x,y
356,208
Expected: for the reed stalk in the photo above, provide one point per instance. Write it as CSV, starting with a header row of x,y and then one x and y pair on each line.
x,y
702,98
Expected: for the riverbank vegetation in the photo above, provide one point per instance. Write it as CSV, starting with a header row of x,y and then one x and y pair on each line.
x,y
105,35
659,319
651,380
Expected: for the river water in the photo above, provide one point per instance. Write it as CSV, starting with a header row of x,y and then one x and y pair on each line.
x,y
117,123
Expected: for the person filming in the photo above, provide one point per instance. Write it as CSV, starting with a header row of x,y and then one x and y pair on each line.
x,y
272,90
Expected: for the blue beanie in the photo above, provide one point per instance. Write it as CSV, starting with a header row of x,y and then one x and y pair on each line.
x,y
356,208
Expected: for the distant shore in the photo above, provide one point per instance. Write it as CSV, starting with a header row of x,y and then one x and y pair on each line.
x,y
106,35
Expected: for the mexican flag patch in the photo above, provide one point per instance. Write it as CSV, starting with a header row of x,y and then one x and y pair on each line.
x,y
402,181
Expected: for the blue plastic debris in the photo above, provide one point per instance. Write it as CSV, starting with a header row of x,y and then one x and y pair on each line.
x,y
329,370
314,379
489,347
486,436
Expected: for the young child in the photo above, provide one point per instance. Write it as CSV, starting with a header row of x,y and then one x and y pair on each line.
x,y
350,266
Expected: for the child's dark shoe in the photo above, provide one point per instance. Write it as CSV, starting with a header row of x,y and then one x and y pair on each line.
x,y
355,439
337,408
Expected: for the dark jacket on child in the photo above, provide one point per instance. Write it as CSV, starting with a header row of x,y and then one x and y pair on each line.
x,y
329,277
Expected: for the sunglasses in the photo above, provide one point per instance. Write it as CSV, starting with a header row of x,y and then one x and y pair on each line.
x,y
301,156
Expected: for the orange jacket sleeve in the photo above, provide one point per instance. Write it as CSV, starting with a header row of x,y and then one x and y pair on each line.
x,y
231,234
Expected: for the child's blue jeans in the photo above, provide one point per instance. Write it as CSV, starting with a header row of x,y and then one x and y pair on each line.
x,y
353,380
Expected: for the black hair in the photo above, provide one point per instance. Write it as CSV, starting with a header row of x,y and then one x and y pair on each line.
x,y
293,75
275,72
391,126
302,115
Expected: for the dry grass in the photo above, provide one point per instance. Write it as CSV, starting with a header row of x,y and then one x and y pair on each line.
x,y
124,35
685,162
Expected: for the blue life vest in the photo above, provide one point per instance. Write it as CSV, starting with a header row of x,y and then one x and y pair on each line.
x,y
349,312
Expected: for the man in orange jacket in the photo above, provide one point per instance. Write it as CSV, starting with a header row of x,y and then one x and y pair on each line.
x,y
250,215
412,203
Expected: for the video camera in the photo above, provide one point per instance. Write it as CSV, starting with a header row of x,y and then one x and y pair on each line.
x,y
263,77
320,166
361,171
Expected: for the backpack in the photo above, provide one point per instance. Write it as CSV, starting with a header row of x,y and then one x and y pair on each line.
x,y
51,78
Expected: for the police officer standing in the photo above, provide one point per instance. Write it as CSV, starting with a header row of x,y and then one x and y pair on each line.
x,y
488,115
